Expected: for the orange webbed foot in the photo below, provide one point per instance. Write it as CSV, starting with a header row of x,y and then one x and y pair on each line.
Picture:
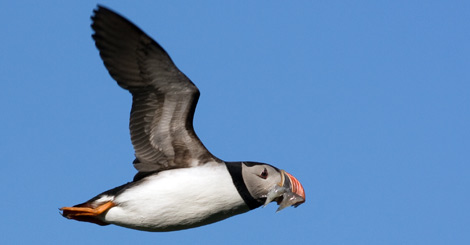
x,y
83,213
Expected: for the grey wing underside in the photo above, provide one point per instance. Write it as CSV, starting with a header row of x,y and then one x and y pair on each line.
x,y
164,99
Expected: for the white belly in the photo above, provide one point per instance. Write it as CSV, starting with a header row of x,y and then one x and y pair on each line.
x,y
178,199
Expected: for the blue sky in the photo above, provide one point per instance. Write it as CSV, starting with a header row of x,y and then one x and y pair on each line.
x,y
367,103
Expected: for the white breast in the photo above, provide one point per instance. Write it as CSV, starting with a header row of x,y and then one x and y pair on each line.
x,y
178,199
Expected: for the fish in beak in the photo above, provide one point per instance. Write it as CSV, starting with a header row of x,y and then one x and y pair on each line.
x,y
288,192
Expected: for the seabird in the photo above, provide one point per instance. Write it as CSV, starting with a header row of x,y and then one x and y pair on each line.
x,y
179,184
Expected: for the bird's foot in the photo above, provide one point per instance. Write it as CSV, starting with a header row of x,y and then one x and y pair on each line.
x,y
73,212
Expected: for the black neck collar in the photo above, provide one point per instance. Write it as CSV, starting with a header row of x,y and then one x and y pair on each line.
x,y
235,170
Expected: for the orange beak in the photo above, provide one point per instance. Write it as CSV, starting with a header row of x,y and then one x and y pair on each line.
x,y
295,186
288,192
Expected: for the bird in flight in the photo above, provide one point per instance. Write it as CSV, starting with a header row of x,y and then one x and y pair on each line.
x,y
179,184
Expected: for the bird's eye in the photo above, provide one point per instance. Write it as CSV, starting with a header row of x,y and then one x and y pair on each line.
x,y
264,174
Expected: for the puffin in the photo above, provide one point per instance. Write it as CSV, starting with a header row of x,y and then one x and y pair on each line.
x,y
179,183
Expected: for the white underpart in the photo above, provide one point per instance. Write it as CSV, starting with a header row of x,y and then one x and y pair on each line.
x,y
178,199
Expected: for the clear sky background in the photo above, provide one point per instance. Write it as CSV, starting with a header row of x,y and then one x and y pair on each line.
x,y
367,103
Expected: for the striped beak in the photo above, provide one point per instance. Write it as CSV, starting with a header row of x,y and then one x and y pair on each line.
x,y
288,192
295,187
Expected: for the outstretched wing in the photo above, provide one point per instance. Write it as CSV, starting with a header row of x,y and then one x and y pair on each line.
x,y
164,99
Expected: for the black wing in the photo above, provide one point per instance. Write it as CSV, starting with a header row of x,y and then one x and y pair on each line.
x,y
164,99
